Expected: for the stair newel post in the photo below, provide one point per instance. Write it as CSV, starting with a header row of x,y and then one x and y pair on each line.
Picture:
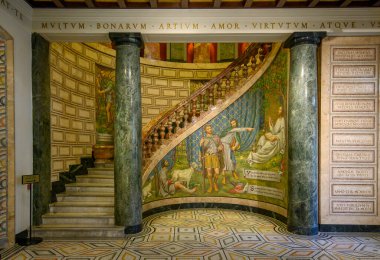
x,y
185,115
204,101
211,96
178,120
155,140
162,133
253,63
149,147
218,91
228,83
165,123
193,109
170,127
245,68
236,78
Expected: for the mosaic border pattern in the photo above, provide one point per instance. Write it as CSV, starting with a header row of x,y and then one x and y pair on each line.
x,y
209,234
3,143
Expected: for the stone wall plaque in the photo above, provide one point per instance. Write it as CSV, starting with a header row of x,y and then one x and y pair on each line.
x,y
353,173
353,122
353,190
354,54
353,88
353,156
353,105
353,139
354,71
349,131
361,207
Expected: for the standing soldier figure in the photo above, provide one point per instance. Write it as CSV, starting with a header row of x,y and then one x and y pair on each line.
x,y
211,146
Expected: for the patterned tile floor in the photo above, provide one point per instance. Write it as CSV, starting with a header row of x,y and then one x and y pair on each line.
x,y
209,234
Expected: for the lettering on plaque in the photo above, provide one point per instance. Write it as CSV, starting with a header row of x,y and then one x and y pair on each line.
x,y
353,105
352,122
353,156
353,190
353,173
354,71
353,139
262,175
353,88
354,54
362,207
265,191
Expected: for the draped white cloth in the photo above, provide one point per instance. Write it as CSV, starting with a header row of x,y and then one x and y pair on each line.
x,y
267,148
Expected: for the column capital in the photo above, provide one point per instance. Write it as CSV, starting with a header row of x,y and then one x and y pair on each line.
x,y
298,38
126,38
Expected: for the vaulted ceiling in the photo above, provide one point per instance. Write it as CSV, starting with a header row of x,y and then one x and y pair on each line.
x,y
192,4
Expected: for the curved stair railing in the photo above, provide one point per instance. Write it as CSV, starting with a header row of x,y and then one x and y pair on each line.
x,y
165,132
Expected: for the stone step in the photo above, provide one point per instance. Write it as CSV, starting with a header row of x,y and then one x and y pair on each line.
x,y
101,171
82,207
86,196
78,231
95,219
90,187
95,178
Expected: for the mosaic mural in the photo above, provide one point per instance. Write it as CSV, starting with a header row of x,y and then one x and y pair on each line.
x,y
3,143
105,100
240,153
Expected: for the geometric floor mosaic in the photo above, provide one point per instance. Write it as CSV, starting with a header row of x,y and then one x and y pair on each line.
x,y
213,234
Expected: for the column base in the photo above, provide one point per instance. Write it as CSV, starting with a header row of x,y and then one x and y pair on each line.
x,y
303,231
133,229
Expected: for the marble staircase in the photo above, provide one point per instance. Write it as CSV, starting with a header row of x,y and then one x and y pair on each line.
x,y
84,210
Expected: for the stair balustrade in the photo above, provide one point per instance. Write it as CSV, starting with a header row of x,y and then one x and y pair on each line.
x,y
161,130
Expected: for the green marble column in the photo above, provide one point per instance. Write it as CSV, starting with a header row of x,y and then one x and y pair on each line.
x,y
41,126
127,160
303,133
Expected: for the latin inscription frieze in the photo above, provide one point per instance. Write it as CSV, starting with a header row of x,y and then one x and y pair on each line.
x,y
354,54
353,139
354,71
353,156
353,88
353,105
353,173
353,190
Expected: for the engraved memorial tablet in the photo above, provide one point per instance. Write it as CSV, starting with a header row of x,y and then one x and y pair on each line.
x,y
350,131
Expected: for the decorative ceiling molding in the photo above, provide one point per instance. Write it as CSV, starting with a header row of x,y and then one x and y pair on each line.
x,y
178,4
313,3
90,3
121,4
58,3
184,3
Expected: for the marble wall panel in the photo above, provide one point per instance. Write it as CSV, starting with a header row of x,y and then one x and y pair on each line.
x,y
349,131
7,156
3,145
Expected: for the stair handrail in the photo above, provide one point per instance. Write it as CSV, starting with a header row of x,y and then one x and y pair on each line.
x,y
171,121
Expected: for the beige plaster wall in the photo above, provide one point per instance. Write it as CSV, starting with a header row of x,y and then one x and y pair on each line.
x,y
72,105
73,122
